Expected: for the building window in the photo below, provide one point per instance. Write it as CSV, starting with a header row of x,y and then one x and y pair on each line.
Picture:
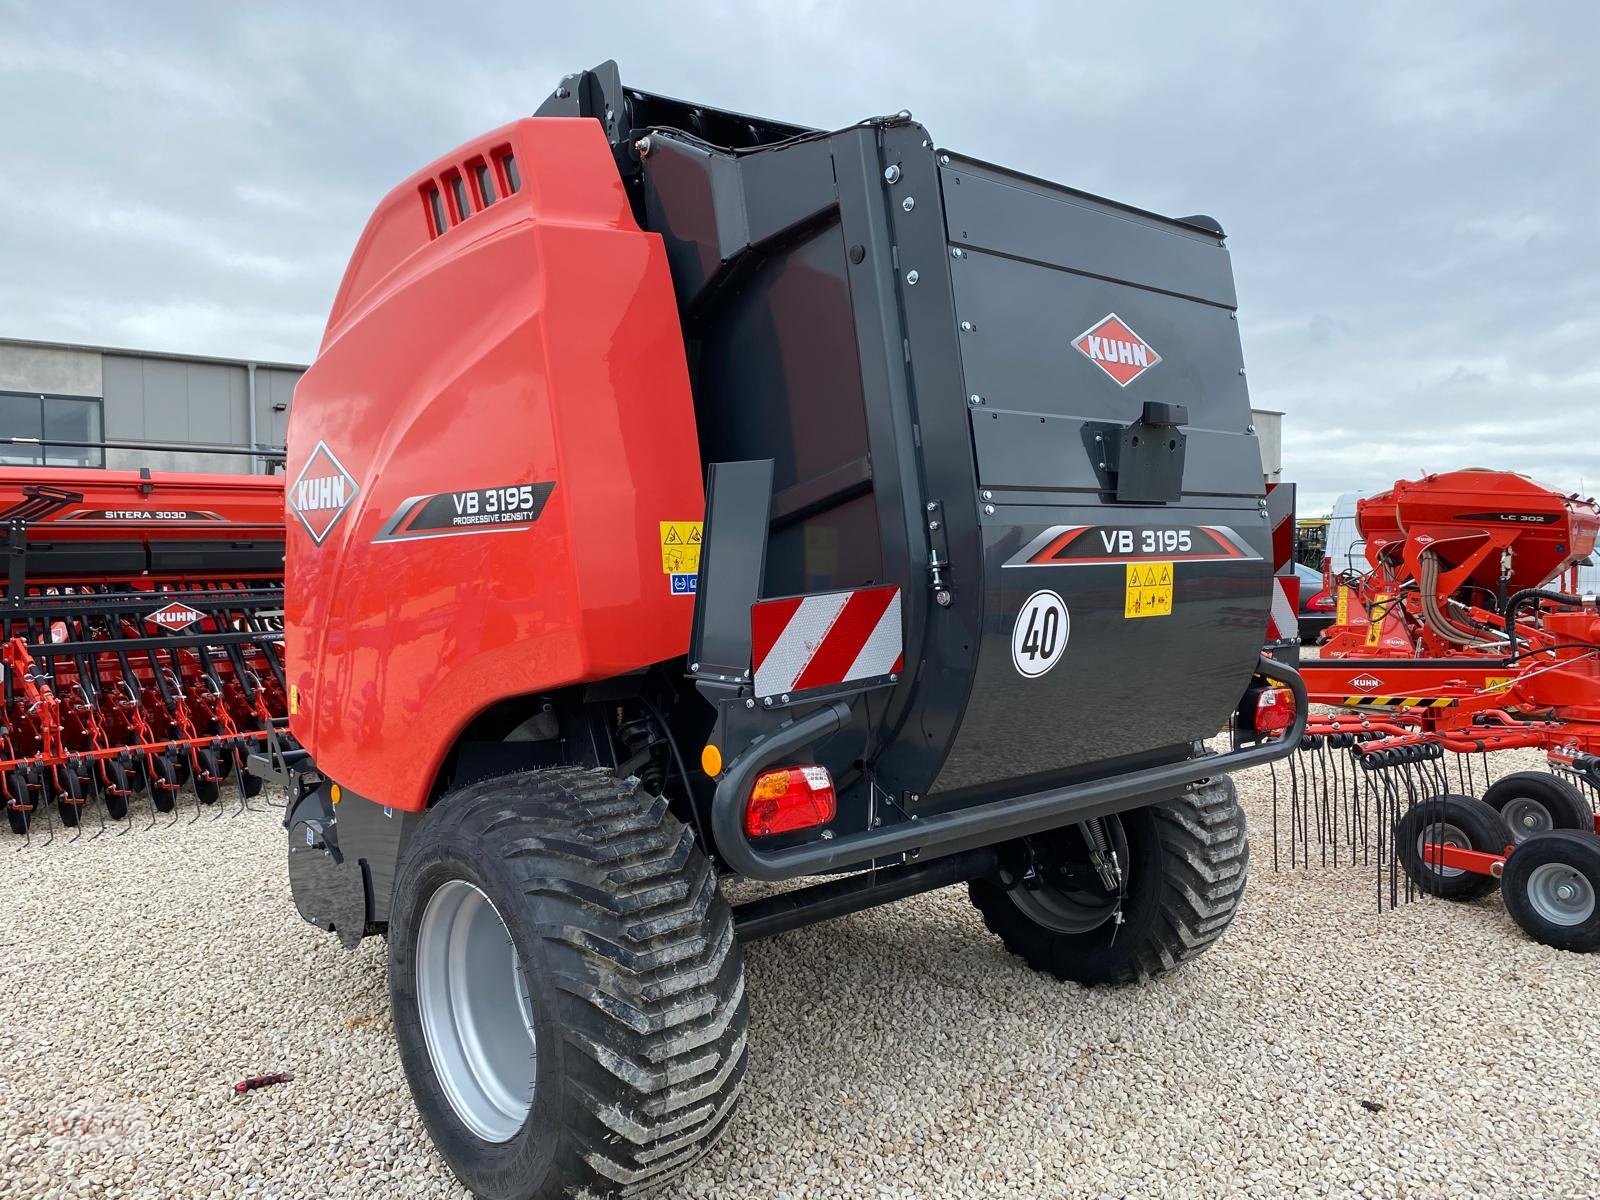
x,y
51,419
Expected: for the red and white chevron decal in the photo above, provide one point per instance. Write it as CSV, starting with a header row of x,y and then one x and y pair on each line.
x,y
1283,623
825,639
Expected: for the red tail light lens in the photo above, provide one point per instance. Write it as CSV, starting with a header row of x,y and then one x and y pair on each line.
x,y
1274,710
790,798
1323,602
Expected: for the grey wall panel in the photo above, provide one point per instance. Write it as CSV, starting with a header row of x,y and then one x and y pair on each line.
x,y
58,371
124,391
210,392
274,386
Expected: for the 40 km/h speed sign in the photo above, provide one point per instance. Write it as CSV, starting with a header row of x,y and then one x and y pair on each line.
x,y
1040,634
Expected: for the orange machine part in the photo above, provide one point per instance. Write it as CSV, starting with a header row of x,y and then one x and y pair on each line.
x,y
533,343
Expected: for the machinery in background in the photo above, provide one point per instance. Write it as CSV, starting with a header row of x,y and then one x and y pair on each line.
x,y
140,637
1463,637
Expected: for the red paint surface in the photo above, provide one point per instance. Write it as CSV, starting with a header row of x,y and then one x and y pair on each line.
x,y
536,340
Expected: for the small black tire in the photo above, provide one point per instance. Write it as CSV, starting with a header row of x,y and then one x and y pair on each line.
x,y
68,811
1462,821
1188,860
632,985
1534,802
16,818
1551,887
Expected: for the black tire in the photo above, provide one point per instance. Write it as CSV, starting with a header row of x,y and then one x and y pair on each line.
x,y
15,818
633,979
1463,821
1537,873
1188,859
252,784
1534,802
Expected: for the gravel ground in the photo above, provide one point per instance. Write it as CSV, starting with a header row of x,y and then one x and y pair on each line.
x,y
1319,1049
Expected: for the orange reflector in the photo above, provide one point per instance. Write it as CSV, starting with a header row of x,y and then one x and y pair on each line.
x,y
1274,710
790,798
711,760
336,793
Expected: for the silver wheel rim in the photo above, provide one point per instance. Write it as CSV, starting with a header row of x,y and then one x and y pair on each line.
x,y
1560,894
1447,834
1525,817
476,1016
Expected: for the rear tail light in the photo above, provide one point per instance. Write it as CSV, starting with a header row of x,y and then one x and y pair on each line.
x,y
790,798
1323,602
1274,710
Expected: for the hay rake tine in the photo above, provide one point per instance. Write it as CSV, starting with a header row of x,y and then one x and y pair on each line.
x,y
1273,767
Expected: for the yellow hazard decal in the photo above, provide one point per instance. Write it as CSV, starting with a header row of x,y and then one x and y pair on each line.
x,y
680,547
1497,683
1149,591
1375,618
294,699
1343,616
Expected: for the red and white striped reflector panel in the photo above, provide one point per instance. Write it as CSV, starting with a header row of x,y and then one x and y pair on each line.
x,y
1283,622
1280,520
825,639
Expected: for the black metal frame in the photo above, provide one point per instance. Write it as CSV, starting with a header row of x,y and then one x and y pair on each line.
x,y
965,828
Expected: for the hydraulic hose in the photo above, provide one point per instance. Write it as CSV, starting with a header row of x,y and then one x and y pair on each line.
x,y
1434,616
1518,599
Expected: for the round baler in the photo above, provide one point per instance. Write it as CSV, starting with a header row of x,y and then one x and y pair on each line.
x,y
681,494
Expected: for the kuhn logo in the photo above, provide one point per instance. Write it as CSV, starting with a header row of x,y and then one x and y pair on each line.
x,y
1365,682
174,616
1116,349
321,493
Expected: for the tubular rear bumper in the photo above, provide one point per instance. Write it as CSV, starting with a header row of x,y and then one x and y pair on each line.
x,y
981,825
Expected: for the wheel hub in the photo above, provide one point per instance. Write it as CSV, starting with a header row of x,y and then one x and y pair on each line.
x,y
476,1016
1525,817
1445,834
1073,886
1560,894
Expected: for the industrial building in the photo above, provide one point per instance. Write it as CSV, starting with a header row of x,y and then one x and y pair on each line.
x,y
175,412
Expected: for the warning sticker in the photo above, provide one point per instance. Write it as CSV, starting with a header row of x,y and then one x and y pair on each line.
x,y
1149,592
680,547
1375,618
685,585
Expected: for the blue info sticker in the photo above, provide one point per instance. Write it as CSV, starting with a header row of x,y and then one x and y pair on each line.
x,y
685,585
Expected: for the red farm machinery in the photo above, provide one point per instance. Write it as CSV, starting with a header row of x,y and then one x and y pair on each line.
x,y
679,494
140,640
1464,637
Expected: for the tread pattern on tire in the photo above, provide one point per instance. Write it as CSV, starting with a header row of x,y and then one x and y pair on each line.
x,y
645,960
1204,852
1207,855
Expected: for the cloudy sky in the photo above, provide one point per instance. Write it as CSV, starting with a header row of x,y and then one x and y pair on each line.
x,y
1411,190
